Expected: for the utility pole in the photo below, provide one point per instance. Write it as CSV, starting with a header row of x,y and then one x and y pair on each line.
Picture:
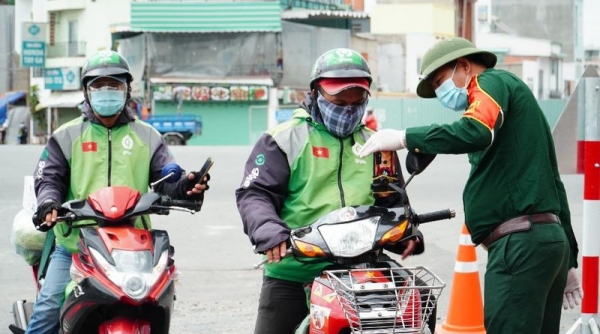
x,y
464,18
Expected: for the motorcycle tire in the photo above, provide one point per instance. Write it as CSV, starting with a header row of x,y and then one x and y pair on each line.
x,y
22,311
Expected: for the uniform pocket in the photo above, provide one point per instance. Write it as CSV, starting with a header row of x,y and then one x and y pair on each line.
x,y
549,233
517,250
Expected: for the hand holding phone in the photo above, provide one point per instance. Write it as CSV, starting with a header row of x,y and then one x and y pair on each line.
x,y
191,187
201,174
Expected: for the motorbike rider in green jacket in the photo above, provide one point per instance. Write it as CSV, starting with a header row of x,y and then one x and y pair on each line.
x,y
301,170
105,146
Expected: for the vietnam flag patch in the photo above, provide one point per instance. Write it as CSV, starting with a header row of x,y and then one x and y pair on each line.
x,y
320,152
89,146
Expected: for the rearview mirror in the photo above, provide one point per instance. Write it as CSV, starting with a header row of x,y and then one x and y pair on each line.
x,y
171,172
417,162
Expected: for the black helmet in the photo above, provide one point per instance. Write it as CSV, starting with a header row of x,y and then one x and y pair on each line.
x,y
340,63
105,63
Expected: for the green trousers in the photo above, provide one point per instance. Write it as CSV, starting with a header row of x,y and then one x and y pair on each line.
x,y
525,280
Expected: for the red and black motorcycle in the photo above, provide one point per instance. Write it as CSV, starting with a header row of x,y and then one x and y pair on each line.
x,y
363,290
123,277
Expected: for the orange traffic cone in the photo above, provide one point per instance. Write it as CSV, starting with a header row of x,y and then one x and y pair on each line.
x,y
465,313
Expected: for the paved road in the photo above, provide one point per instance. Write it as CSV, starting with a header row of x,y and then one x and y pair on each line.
x,y
219,289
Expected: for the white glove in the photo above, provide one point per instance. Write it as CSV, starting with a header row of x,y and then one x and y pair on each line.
x,y
384,140
573,292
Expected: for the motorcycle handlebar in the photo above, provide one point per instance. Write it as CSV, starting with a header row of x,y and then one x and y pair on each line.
x,y
259,264
436,215
187,204
68,217
423,218
165,202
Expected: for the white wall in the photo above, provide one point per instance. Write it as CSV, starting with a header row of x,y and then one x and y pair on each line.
x,y
542,50
416,46
482,26
591,31
97,19
548,82
405,18
22,14
30,11
93,28
369,5
391,67
517,46
530,75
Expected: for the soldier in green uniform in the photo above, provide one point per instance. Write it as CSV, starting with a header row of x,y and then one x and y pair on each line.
x,y
515,202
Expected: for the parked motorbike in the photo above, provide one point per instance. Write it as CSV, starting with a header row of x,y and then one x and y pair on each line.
x,y
123,277
363,290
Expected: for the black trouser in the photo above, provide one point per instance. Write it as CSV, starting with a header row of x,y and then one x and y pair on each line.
x,y
281,307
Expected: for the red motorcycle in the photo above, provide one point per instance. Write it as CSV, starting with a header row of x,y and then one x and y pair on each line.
x,y
363,290
123,277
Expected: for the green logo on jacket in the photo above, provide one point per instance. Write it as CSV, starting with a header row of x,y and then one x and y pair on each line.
x,y
260,160
44,155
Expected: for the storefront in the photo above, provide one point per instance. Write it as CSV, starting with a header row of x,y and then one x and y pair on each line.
x,y
60,108
233,111
219,61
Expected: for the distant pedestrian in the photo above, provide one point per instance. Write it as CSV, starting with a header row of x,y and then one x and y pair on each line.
x,y
23,133
2,135
371,120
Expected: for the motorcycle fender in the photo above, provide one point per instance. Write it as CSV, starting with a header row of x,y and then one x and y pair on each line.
x,y
123,325
326,314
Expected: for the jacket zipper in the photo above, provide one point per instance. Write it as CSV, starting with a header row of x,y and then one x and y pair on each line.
x,y
343,200
109,155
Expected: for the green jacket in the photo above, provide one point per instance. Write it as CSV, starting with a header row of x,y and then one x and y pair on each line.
x,y
511,151
296,173
83,156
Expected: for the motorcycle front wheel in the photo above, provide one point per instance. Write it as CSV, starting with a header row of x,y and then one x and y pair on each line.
x,y
22,311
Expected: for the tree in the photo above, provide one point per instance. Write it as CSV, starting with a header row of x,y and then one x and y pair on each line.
x,y
32,101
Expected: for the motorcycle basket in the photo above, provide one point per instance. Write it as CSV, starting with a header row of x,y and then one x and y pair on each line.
x,y
384,300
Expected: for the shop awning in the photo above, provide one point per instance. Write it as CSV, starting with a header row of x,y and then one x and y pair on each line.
x,y
61,100
7,99
302,14
206,17
264,81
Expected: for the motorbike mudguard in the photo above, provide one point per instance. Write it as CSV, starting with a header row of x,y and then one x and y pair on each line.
x,y
123,325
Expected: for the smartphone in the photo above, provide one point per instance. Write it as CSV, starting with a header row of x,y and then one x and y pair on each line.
x,y
204,170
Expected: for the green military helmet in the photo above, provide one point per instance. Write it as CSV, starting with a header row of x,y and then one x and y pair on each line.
x,y
105,63
443,52
340,63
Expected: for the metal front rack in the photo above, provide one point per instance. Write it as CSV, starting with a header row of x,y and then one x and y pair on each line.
x,y
386,301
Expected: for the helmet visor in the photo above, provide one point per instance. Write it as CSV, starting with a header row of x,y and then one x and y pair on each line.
x,y
333,86
118,78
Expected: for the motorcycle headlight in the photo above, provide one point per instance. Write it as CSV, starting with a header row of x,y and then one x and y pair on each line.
x,y
133,271
350,239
